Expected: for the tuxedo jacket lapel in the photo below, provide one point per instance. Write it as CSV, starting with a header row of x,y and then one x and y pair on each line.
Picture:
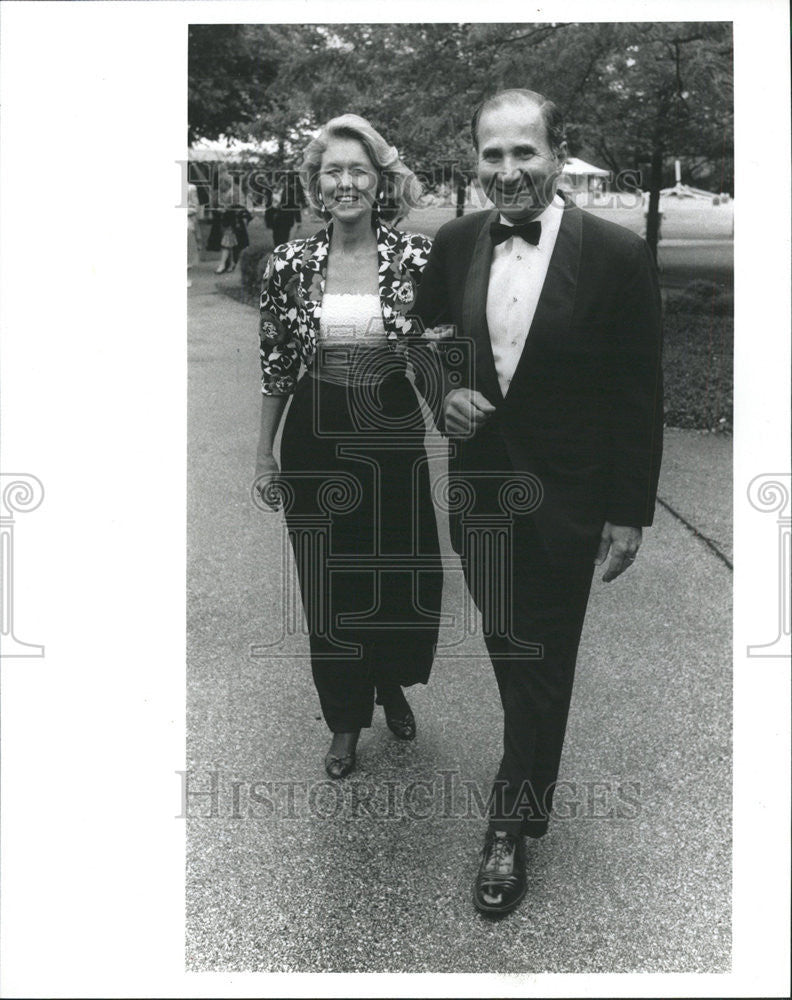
x,y
474,312
553,316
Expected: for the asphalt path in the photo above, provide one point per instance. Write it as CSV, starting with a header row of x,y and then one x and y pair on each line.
x,y
289,872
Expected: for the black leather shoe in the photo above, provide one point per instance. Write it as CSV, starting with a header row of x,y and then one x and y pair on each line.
x,y
340,765
402,727
500,883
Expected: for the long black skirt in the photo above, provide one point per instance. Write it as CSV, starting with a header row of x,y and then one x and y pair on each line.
x,y
362,528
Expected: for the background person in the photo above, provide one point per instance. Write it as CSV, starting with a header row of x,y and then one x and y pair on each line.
x,y
229,232
193,215
285,210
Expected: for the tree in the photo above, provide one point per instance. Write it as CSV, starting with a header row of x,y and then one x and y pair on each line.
x,y
231,69
631,93
663,90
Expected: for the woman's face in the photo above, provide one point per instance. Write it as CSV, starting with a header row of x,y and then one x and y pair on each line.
x,y
347,180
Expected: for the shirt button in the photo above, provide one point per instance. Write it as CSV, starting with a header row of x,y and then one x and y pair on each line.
x,y
519,257
514,298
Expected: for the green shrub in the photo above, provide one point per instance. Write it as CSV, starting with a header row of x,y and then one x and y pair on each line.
x,y
700,297
252,262
698,356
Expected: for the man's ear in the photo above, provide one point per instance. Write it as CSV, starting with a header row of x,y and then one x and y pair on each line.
x,y
562,153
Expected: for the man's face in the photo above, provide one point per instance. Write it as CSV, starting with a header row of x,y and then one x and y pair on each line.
x,y
516,166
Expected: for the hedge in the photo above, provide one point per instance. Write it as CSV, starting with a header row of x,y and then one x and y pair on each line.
x,y
698,356
252,262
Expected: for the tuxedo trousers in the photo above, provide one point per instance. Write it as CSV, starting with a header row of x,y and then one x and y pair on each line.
x,y
363,531
533,600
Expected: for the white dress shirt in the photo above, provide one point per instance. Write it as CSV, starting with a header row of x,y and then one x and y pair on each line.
x,y
517,275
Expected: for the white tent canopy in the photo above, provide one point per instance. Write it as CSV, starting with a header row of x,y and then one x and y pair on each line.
x,y
579,168
228,150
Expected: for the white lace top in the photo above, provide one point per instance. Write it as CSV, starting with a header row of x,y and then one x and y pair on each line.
x,y
349,318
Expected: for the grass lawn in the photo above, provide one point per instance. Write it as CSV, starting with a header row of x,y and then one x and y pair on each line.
x,y
682,220
696,242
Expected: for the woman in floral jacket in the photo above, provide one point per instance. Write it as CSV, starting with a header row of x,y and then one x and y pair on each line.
x,y
353,478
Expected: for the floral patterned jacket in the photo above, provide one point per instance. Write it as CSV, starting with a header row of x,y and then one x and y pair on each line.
x,y
291,299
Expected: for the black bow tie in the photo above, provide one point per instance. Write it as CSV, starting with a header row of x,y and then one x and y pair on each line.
x,y
529,231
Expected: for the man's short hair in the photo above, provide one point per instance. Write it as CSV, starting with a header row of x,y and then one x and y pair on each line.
x,y
551,115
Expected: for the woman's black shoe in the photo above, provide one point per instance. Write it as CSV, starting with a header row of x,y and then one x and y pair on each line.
x,y
403,728
339,765
402,725
398,714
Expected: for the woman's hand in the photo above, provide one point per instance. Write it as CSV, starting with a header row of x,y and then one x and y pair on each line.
x,y
266,483
267,469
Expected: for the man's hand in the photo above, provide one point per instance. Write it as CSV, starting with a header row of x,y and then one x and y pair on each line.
x,y
465,410
623,544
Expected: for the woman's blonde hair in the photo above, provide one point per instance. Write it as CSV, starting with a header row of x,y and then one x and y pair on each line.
x,y
398,189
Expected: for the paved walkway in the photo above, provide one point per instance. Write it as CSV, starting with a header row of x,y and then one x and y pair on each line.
x,y
296,874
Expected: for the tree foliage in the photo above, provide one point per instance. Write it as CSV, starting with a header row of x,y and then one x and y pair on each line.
x,y
230,75
632,93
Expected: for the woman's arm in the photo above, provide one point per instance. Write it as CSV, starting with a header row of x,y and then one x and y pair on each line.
x,y
280,362
429,310
279,344
272,408
267,469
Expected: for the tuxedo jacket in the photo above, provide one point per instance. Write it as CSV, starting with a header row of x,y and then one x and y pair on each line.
x,y
293,288
584,410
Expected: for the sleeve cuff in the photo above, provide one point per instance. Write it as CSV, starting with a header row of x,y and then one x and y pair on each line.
x,y
281,385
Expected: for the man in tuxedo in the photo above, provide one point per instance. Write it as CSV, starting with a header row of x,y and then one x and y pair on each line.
x,y
562,399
